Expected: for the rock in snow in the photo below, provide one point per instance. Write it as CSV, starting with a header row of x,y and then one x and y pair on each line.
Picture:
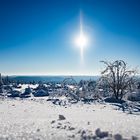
x,y
61,117
101,134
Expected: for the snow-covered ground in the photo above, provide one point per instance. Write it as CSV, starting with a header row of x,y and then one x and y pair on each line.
x,y
36,118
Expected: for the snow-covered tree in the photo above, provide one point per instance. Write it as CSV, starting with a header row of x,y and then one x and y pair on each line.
x,y
118,77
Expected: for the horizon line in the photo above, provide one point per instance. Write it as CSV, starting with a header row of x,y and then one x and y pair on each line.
x,y
53,75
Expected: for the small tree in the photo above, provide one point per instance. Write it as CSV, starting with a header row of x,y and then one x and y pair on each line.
x,y
118,77
1,82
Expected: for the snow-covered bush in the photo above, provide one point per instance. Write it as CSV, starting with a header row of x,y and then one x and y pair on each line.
x,y
26,93
134,96
41,93
28,90
13,93
41,87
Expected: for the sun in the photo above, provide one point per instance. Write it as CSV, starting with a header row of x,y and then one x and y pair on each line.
x,y
81,41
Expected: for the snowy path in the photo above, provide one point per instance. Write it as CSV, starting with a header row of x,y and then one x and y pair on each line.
x,y
28,119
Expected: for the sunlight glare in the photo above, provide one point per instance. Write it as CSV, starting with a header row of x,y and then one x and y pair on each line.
x,y
81,41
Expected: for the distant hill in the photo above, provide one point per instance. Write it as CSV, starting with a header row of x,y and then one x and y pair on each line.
x,y
50,78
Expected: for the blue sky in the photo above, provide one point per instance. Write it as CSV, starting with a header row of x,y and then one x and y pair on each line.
x,y
37,36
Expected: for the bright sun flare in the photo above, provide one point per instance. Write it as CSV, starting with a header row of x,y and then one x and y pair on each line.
x,y
81,41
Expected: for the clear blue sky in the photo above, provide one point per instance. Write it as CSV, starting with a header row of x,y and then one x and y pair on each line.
x,y
37,36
